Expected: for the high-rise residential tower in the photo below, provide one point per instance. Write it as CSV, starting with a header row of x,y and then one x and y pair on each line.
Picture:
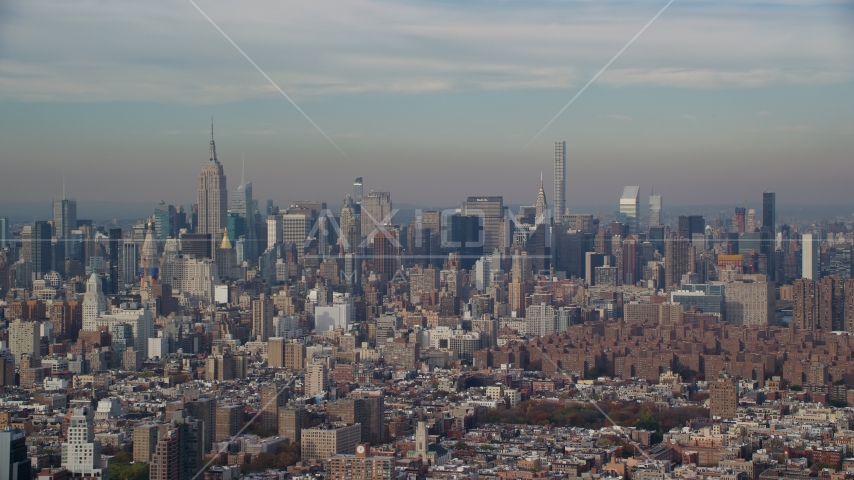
x,y
262,318
81,454
655,210
723,398
630,205
810,256
769,222
357,190
560,182
213,196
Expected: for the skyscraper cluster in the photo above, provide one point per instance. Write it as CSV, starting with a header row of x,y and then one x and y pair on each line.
x,y
230,331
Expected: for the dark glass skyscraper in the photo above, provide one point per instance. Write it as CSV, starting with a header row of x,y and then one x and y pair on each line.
x,y
36,239
769,228
769,211
165,220
691,224
115,256
464,235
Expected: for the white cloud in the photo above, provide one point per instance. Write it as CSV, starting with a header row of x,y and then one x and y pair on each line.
x,y
793,128
705,78
623,118
783,129
688,116
90,50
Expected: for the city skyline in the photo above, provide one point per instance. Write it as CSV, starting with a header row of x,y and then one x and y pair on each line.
x,y
697,98
308,240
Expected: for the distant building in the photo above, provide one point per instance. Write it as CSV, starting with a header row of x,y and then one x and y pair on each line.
x,y
24,339
291,422
212,196
14,464
272,398
316,377
204,409
723,398
630,207
361,466
749,300
376,208
64,217
655,210
295,356
320,443
262,318
229,420
331,317
811,261
560,182
276,352
165,461
679,260
539,320
491,211
81,454
368,411
144,442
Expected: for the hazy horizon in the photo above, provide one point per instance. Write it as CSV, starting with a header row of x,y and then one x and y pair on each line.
x,y
24,212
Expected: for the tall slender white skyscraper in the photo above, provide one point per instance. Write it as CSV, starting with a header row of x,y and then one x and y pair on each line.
x,y
213,196
810,257
560,181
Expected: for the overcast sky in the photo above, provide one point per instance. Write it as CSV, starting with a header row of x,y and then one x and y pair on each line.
x,y
433,101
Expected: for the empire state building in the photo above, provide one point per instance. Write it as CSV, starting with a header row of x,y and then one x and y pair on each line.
x,y
213,196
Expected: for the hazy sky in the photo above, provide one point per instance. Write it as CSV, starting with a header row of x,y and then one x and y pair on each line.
x,y
432,101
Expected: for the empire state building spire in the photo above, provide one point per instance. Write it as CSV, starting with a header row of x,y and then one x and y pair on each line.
x,y
213,158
